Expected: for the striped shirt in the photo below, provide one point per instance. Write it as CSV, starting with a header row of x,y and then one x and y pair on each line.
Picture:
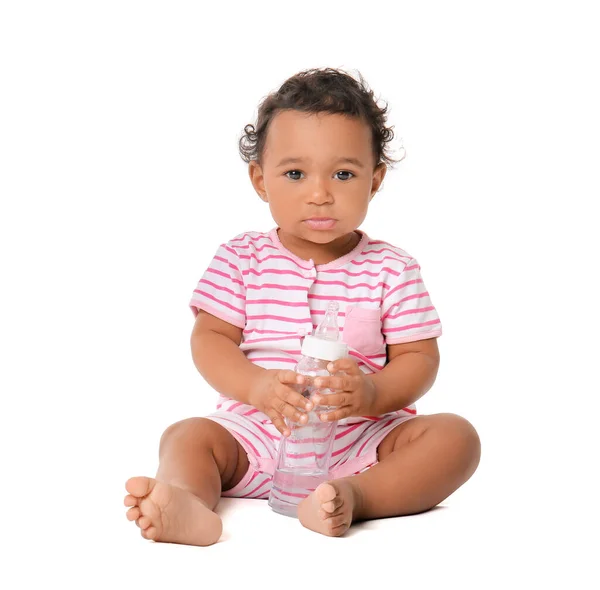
x,y
276,298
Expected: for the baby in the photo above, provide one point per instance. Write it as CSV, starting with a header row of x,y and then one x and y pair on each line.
x,y
317,156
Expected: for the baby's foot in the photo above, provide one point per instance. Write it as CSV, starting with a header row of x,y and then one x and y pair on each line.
x,y
170,514
329,509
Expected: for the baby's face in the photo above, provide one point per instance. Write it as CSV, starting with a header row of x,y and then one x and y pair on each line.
x,y
318,174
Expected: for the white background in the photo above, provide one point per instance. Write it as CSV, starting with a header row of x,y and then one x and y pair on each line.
x,y
119,177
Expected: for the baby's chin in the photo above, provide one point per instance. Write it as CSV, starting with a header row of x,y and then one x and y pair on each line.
x,y
323,236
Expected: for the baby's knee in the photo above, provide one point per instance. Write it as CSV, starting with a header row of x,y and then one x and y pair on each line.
x,y
462,436
191,431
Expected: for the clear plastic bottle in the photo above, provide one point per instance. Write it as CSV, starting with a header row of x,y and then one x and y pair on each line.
x,y
303,458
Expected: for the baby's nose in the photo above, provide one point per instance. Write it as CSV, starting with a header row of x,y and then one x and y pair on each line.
x,y
319,192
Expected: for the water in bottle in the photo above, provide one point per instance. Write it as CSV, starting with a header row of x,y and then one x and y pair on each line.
x,y
303,458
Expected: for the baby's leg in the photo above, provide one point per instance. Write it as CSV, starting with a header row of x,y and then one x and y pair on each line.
x,y
198,459
421,462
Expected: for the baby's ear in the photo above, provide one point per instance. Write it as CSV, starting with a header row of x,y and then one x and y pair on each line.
x,y
378,176
258,180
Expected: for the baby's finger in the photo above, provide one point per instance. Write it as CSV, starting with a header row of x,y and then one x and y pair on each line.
x,y
290,377
338,414
293,398
345,383
333,399
323,382
346,364
278,421
288,411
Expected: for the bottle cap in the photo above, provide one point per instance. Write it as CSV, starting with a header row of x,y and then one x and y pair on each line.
x,y
327,350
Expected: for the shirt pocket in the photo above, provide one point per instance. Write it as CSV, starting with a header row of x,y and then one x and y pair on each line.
x,y
362,329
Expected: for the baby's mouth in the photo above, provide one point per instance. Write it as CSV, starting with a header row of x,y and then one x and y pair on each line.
x,y
320,223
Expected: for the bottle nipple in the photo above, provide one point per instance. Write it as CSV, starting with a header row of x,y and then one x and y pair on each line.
x,y
328,328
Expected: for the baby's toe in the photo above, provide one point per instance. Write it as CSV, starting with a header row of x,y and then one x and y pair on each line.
x,y
331,507
133,513
144,522
336,525
325,492
339,531
329,497
139,486
150,533
130,500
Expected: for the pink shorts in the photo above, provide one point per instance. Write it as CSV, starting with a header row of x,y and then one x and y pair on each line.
x,y
354,448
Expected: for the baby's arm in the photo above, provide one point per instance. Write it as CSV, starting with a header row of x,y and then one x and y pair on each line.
x,y
216,353
408,375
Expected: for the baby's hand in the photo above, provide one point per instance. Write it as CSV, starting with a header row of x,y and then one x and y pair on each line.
x,y
274,394
353,392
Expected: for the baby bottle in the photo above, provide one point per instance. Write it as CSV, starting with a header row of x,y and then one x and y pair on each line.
x,y
303,457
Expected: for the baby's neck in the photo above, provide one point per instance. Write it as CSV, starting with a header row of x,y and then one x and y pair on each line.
x,y
320,253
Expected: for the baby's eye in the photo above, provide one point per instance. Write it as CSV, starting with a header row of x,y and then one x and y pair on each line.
x,y
344,172
293,172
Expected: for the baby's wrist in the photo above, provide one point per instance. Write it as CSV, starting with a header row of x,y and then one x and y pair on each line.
x,y
369,397
256,386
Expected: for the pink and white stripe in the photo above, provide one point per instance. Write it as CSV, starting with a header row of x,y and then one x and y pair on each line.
x,y
276,298
354,449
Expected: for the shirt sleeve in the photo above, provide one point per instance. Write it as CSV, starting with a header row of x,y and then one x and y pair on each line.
x,y
407,312
221,290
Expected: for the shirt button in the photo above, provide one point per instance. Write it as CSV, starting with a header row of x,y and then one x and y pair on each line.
x,y
310,272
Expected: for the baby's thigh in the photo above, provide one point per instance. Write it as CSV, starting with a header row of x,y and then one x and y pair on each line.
x,y
448,431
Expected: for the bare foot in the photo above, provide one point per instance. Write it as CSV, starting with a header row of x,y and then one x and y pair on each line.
x,y
329,509
170,514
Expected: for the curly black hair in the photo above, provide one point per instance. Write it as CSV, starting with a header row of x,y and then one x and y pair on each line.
x,y
320,90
